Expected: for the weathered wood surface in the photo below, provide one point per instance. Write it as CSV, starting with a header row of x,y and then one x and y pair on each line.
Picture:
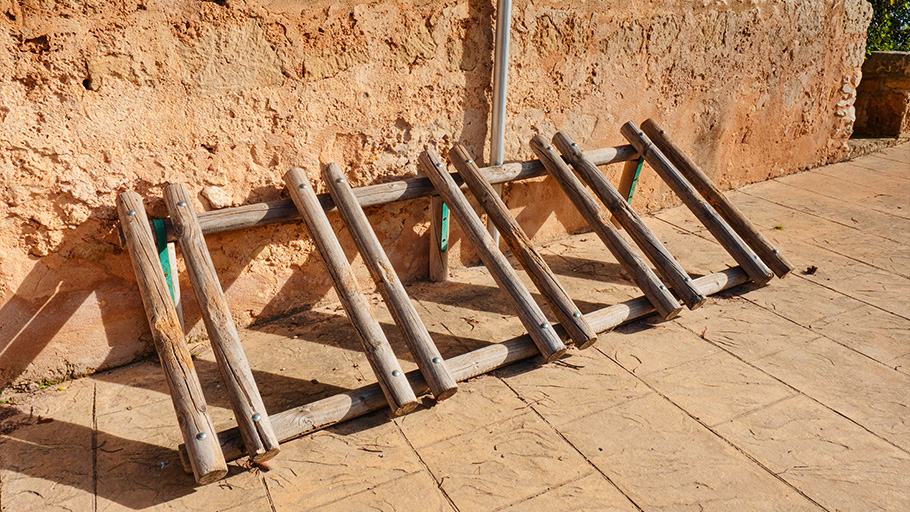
x,y
726,237
522,247
415,333
439,257
655,251
716,198
260,214
597,218
529,312
398,392
308,418
243,394
200,438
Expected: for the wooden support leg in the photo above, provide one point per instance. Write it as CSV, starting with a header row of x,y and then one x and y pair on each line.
x,y
439,240
597,218
528,311
665,263
426,355
518,241
246,402
716,198
200,438
398,392
728,238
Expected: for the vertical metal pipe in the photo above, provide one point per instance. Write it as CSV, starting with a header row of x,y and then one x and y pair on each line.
x,y
500,87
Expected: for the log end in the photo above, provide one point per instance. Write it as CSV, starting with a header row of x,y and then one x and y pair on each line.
x,y
554,355
211,476
446,394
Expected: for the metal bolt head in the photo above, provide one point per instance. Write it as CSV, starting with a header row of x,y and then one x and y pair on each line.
x,y
256,417
775,251
339,180
687,279
302,185
131,213
549,148
468,160
439,165
574,144
200,436
181,203
395,373
576,314
544,325
437,360
662,287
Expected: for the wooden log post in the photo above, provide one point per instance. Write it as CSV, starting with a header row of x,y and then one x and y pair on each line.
x,y
529,312
199,435
655,251
597,218
426,355
314,416
246,402
518,241
716,198
398,392
439,240
726,237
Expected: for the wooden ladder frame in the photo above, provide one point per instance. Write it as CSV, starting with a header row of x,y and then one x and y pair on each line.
x,y
205,452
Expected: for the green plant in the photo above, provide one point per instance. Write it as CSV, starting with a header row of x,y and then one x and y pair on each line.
x,y
890,26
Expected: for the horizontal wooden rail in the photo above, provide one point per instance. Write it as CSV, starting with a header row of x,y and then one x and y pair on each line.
x,y
308,418
260,214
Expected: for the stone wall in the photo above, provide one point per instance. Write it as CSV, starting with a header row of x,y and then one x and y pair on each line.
x,y
102,96
883,97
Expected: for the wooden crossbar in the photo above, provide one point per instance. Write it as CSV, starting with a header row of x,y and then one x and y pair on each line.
x,y
261,214
308,418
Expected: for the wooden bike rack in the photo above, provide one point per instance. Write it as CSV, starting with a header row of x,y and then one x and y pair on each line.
x,y
257,435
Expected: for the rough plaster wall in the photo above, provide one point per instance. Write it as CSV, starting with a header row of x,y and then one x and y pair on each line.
x,y
101,96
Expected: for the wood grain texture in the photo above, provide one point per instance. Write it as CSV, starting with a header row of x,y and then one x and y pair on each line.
x,y
528,311
398,392
622,213
308,418
261,214
597,218
439,258
716,198
722,232
522,247
199,435
243,394
415,333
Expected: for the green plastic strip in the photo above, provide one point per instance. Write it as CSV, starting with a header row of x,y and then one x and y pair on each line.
x,y
163,256
641,162
444,228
